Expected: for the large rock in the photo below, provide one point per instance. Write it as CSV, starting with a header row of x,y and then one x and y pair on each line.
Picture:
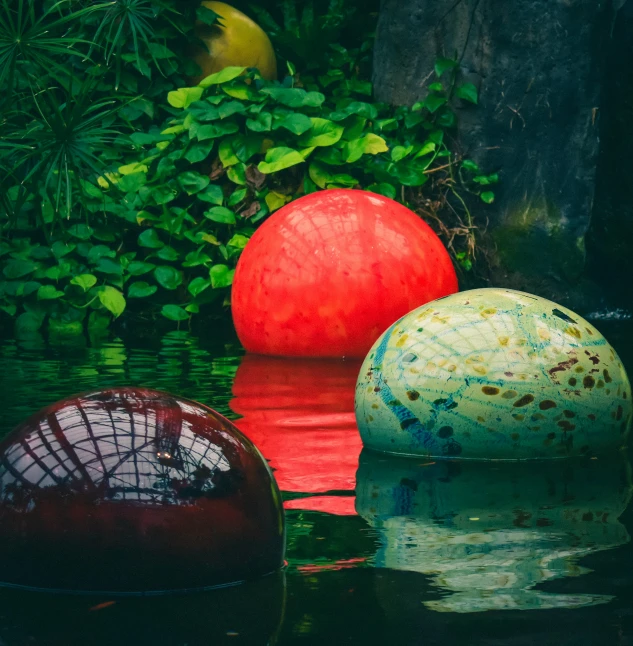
x,y
611,232
538,64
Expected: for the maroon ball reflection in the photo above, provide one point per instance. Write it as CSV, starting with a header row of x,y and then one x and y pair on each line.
x,y
134,490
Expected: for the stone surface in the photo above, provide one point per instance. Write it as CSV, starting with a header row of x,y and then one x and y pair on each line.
x,y
493,374
611,233
538,65
134,490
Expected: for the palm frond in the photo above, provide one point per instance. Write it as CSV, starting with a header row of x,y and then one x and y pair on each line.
x,y
125,25
43,41
61,142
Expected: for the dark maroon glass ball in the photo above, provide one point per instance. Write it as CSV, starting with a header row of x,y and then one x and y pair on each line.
x,y
135,490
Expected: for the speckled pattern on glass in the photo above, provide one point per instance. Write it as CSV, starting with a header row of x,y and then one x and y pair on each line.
x,y
493,373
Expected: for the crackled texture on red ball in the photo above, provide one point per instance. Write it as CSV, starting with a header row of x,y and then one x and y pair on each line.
x,y
329,272
135,490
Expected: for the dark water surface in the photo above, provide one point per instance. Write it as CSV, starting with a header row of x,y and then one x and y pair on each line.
x,y
380,551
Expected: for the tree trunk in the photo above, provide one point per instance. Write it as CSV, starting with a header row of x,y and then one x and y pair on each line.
x,y
538,65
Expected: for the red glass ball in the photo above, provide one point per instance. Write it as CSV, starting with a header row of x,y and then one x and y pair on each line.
x,y
134,490
300,413
327,274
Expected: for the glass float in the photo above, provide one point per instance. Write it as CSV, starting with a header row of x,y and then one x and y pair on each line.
x,y
493,374
234,40
326,274
134,490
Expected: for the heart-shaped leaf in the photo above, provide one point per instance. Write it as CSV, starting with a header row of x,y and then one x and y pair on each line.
x,y
444,64
280,158
261,123
199,151
295,122
214,130
221,276
112,299
369,144
85,281
468,92
193,182
168,277
295,97
137,268
434,102
149,238
48,293
238,241
184,96
81,231
212,194
19,268
198,285
141,289
388,190
223,76
220,214
61,249
174,313
323,133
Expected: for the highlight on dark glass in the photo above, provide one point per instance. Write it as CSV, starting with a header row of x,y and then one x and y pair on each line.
x,y
134,490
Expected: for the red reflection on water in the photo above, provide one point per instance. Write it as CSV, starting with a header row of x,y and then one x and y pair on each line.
x,y
300,414
339,505
345,564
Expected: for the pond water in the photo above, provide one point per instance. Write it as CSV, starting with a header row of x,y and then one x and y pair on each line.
x,y
380,550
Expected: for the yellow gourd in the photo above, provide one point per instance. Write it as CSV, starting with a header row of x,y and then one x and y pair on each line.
x,y
235,40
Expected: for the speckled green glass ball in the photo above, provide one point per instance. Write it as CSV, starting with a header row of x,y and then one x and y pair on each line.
x,y
493,374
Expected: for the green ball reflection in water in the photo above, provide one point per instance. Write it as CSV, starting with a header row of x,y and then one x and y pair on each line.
x,y
490,533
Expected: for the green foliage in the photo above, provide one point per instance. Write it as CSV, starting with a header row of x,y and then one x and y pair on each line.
x,y
77,78
480,184
299,30
32,40
125,190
